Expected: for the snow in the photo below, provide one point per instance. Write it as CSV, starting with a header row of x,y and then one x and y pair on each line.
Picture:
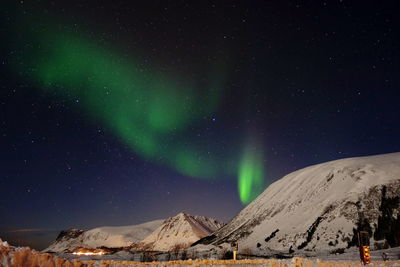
x,y
108,236
24,256
162,235
179,231
329,191
119,236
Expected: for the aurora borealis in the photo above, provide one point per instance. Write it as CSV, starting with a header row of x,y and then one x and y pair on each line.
x,y
143,108
118,113
251,173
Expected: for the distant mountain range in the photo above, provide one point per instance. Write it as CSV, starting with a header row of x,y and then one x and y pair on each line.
x,y
161,235
321,208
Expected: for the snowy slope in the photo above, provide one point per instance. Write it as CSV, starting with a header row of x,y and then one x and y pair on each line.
x,y
115,236
178,232
317,208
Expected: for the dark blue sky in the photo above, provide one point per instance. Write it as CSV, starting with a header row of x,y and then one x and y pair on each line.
x,y
318,81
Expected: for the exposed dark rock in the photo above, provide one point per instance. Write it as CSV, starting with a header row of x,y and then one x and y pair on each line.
x,y
329,177
338,251
272,235
389,222
71,233
362,225
227,255
310,233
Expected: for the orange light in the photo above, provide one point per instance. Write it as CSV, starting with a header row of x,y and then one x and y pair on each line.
x,y
366,256
89,252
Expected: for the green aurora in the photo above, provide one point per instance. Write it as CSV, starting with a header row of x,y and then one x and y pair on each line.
x,y
251,173
145,109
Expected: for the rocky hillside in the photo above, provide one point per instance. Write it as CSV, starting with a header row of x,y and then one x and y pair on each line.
x,y
320,208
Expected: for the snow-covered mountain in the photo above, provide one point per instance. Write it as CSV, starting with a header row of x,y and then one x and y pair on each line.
x,y
163,235
179,232
320,208
108,236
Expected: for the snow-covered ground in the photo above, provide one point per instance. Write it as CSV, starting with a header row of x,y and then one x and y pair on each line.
x,y
19,256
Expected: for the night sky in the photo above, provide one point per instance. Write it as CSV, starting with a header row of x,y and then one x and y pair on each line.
x,y
118,113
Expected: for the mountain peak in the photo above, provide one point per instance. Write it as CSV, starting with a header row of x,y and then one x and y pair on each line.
x,y
179,231
181,215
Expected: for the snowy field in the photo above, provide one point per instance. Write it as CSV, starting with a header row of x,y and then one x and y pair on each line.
x,y
17,256
393,254
11,256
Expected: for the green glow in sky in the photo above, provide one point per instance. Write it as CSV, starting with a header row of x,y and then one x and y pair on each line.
x,y
148,110
251,173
